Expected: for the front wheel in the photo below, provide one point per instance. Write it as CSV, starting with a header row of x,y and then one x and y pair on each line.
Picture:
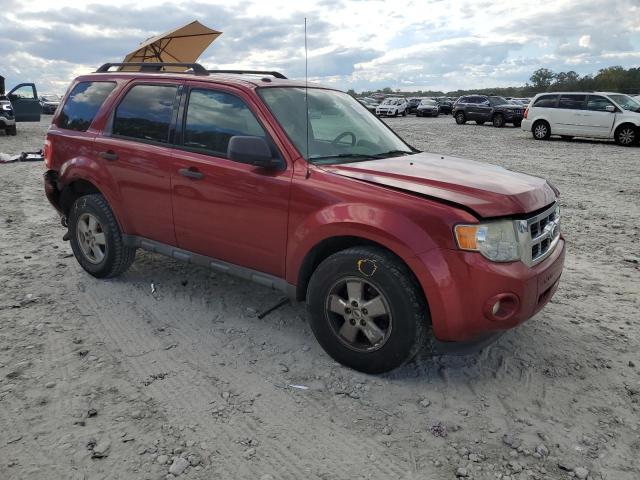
x,y
498,120
96,239
460,119
367,310
626,135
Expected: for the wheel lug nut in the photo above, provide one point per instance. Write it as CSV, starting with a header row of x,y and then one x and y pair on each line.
x,y
354,303
347,311
352,321
364,311
363,323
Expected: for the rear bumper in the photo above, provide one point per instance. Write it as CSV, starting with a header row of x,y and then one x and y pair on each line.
x,y
526,125
462,287
52,191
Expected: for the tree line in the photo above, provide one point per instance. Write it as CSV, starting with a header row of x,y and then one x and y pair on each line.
x,y
615,79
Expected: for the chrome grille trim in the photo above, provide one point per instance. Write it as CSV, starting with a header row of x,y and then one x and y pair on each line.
x,y
538,236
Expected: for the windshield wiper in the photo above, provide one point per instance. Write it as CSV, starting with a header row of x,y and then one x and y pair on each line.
x,y
360,157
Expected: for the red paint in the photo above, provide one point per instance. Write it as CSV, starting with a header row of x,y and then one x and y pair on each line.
x,y
269,221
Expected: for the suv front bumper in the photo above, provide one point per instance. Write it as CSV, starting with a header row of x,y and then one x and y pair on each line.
x,y
462,289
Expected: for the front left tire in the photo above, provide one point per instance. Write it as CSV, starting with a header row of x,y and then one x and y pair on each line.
x,y
367,310
626,135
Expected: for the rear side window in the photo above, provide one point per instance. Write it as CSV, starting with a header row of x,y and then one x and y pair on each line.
x,y
572,102
83,103
546,101
146,113
213,118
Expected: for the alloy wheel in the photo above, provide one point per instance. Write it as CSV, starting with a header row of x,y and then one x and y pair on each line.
x,y
91,238
626,136
359,314
540,131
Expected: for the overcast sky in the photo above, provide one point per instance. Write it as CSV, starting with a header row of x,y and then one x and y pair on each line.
x,y
360,44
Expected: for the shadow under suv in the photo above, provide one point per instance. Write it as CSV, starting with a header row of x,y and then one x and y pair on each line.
x,y
487,108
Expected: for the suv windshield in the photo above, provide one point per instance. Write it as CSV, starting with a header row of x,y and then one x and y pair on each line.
x,y
341,130
626,102
498,101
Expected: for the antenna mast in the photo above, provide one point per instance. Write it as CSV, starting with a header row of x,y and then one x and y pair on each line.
x,y
306,94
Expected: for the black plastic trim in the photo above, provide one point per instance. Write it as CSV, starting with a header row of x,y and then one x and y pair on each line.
x,y
264,279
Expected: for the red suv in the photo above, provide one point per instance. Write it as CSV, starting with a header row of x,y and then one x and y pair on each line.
x,y
300,188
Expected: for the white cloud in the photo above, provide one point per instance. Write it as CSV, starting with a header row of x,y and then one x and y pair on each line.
x,y
439,44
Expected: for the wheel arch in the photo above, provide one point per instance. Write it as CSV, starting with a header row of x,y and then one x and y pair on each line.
x,y
330,245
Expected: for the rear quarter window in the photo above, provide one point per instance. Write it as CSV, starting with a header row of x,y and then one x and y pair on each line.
x,y
546,101
83,103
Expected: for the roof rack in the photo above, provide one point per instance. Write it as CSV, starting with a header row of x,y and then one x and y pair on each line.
x,y
154,67
250,72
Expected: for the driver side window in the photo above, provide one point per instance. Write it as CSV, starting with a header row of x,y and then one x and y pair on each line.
x,y
213,117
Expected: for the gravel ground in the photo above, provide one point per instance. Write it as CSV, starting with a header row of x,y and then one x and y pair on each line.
x,y
116,380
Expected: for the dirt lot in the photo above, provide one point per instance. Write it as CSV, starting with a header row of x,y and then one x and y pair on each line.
x,y
107,379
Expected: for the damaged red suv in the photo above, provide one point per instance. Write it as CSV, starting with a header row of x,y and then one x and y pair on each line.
x,y
302,190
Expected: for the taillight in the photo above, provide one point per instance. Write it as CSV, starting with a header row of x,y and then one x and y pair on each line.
x,y
526,112
48,153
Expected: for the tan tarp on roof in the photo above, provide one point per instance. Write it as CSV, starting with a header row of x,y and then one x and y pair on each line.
x,y
184,44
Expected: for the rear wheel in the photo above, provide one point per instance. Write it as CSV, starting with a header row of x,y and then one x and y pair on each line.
x,y
96,239
460,118
367,310
541,130
626,135
498,120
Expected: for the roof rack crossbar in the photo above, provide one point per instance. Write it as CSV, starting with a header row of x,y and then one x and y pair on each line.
x,y
250,72
154,67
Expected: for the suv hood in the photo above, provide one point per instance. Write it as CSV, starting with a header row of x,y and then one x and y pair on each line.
x,y
488,190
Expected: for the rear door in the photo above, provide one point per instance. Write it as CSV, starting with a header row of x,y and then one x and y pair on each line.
x,y
224,209
597,120
135,149
25,102
569,116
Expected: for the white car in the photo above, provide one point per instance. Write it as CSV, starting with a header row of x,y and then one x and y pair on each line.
x,y
393,106
594,114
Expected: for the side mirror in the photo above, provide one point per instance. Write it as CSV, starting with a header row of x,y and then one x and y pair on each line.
x,y
610,108
251,150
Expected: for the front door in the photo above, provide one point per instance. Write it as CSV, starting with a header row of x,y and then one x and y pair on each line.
x,y
25,102
224,209
135,151
597,121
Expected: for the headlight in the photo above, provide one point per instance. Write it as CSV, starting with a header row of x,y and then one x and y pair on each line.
x,y
6,107
495,240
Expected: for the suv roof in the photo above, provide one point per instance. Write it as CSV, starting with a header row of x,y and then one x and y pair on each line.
x,y
254,78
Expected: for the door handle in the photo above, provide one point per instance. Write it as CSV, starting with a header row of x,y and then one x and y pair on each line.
x,y
108,155
191,173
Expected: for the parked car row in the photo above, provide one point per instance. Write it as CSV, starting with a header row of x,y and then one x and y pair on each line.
x,y
395,105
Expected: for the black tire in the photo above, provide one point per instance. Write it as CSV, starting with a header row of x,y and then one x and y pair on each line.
x,y
460,118
14,130
404,113
498,120
480,122
626,135
517,124
117,257
385,274
541,130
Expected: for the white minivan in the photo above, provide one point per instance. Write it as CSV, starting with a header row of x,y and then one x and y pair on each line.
x,y
584,114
